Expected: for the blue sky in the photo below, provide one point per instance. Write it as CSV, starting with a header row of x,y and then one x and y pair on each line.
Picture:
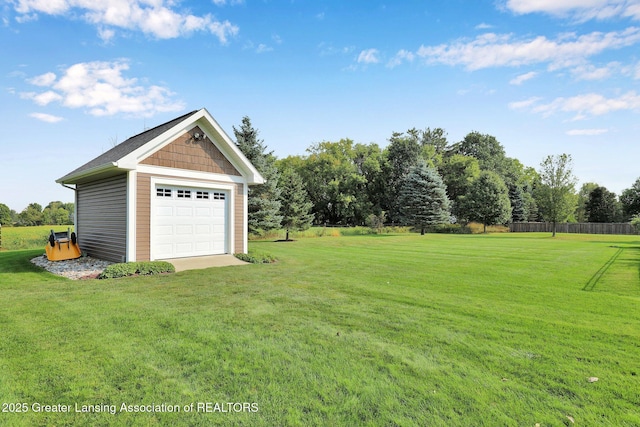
x,y
542,76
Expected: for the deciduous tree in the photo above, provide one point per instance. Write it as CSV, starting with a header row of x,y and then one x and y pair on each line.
x,y
555,195
5,214
31,215
458,171
335,184
486,148
486,201
630,200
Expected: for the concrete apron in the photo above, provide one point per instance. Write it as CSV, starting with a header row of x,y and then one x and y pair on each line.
x,y
196,263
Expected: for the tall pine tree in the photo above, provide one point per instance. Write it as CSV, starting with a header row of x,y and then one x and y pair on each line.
x,y
295,206
263,199
519,211
423,198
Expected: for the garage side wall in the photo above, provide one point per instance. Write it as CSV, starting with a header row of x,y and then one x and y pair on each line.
x,y
143,217
239,220
101,214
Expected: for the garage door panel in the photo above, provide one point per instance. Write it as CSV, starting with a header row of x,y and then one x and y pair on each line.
x,y
203,211
164,230
203,229
184,230
184,249
164,250
203,246
165,211
188,226
184,211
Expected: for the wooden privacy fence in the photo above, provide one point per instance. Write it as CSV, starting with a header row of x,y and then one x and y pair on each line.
x,y
573,227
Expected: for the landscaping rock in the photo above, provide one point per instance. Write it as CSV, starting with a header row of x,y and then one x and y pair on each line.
x,y
79,268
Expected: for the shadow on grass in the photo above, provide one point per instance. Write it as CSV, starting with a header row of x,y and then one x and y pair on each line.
x,y
597,276
19,261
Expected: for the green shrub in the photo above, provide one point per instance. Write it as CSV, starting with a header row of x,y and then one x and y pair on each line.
x,y
255,258
142,268
450,229
154,267
118,270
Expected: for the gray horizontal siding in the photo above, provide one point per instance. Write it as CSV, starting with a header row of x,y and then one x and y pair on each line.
x,y
102,218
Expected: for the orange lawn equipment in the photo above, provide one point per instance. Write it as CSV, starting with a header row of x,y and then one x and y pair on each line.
x,y
62,245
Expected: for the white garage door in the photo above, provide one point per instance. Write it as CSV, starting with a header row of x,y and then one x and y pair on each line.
x,y
188,222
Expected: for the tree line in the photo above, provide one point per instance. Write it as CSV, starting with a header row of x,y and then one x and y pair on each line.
x,y
420,179
55,213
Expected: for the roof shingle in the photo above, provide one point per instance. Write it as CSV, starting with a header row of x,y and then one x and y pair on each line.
x,y
126,147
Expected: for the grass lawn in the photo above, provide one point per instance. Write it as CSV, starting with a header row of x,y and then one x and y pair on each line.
x,y
435,330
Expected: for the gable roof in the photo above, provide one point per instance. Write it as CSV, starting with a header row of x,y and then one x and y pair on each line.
x,y
126,155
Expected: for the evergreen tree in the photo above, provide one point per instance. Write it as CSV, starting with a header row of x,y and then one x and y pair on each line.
x,y
295,206
402,154
581,213
519,211
422,199
602,206
263,199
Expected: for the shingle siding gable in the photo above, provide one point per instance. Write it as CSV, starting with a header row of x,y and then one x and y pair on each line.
x,y
189,154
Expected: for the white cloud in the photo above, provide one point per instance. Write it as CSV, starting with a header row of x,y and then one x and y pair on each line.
x,y
44,98
583,106
483,26
102,89
106,34
520,105
369,56
156,18
401,56
224,2
523,78
330,50
262,48
43,80
580,10
495,50
46,117
586,132
591,72
51,7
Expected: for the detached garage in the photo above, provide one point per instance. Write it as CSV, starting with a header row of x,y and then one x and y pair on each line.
x,y
177,190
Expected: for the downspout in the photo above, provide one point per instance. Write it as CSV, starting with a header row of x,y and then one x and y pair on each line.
x,y
75,206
